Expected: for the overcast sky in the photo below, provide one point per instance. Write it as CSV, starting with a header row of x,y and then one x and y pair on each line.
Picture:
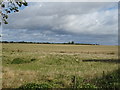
x,y
83,22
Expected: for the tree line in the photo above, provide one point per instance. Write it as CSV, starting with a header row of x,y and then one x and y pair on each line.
x,y
71,42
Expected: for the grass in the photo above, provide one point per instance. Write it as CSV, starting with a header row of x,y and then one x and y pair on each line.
x,y
60,66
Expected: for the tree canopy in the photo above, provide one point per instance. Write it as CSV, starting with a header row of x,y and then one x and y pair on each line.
x,y
10,6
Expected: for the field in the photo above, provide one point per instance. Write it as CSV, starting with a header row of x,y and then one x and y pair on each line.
x,y
59,66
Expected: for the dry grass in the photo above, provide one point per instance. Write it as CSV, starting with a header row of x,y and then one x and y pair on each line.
x,y
55,63
13,79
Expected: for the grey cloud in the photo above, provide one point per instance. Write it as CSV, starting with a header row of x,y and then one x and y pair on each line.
x,y
27,35
55,21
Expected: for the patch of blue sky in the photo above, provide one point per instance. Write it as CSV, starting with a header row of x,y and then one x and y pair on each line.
x,y
113,7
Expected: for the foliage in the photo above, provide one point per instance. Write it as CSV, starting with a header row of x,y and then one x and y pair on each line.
x,y
72,42
111,80
10,6
35,86
21,61
18,61
87,85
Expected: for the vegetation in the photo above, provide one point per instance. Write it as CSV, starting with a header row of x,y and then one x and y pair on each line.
x,y
72,42
21,61
9,6
59,66
111,80
34,85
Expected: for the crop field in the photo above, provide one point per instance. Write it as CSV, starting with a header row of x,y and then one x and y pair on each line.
x,y
59,66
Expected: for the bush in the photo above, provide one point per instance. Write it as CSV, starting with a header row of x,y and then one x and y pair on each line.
x,y
21,61
35,86
18,61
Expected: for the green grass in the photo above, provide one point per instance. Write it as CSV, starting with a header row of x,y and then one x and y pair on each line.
x,y
60,66
34,85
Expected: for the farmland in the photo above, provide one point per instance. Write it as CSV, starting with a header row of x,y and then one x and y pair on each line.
x,y
58,65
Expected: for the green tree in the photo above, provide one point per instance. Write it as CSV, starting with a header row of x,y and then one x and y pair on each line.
x,y
9,6
72,42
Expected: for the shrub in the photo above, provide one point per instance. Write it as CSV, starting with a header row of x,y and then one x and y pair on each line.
x,y
21,61
18,61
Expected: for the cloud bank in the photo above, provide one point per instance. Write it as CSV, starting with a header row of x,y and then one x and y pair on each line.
x,y
85,22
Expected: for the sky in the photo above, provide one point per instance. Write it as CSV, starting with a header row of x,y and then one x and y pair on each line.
x,y
81,22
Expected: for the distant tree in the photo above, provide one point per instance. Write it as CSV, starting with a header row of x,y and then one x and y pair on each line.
x,y
72,42
68,42
9,6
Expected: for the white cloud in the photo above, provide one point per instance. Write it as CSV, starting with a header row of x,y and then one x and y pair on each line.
x,y
93,23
